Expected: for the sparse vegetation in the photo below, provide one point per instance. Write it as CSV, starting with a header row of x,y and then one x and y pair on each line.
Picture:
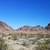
x,y
43,45
3,46
25,40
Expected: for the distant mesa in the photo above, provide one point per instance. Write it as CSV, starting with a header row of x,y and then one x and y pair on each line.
x,y
30,28
6,28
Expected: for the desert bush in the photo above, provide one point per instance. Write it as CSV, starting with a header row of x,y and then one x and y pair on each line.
x,y
43,45
21,49
14,36
3,46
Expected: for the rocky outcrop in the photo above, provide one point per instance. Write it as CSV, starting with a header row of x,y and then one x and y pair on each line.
x,y
49,26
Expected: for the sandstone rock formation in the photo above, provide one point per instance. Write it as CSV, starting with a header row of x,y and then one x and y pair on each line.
x,y
30,28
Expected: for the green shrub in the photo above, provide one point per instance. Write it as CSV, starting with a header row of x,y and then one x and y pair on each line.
x,y
43,45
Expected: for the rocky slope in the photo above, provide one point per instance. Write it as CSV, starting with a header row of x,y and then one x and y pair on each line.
x,y
4,27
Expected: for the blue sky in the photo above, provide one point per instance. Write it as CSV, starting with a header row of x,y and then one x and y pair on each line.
x,y
17,13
